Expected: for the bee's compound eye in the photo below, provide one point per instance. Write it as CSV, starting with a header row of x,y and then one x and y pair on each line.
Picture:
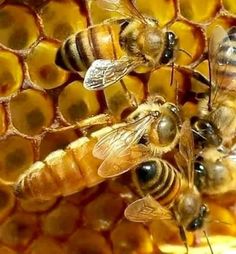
x,y
195,224
146,171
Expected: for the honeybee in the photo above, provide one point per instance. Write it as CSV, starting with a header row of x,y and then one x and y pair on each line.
x,y
216,124
152,128
166,192
109,51
215,171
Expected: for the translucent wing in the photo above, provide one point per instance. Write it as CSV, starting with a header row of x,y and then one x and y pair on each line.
x,y
146,209
186,150
124,7
121,138
222,59
115,165
103,73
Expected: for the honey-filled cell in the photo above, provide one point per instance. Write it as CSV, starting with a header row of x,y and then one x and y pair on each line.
x,y
44,245
87,241
160,83
2,120
18,26
61,221
76,103
103,212
7,201
60,24
11,73
56,140
31,111
18,230
117,99
230,6
192,10
191,39
154,9
42,68
16,155
129,237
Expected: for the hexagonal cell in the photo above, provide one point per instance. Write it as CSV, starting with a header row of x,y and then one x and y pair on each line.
x,y
159,83
191,39
76,103
44,245
16,155
32,205
61,221
103,212
3,126
18,27
229,5
56,140
192,10
42,68
31,111
60,24
11,74
224,21
18,230
155,9
87,241
116,98
7,201
129,237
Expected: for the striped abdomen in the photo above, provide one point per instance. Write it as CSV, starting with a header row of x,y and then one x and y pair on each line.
x,y
159,179
63,172
96,42
226,61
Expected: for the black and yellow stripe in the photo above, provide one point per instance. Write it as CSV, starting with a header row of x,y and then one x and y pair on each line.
x,y
97,42
159,179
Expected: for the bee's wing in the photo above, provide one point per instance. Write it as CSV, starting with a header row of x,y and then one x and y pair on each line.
x,y
124,7
146,209
103,73
117,164
186,152
120,139
222,57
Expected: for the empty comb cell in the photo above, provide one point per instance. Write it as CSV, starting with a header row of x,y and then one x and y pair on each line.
x,y
19,27
61,221
45,245
42,69
192,10
76,103
60,24
31,111
16,155
11,73
101,216
18,230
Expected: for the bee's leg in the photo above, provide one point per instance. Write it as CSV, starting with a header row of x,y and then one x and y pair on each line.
x,y
194,74
184,238
133,101
86,123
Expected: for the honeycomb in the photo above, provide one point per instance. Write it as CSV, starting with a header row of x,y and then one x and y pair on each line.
x,y
37,97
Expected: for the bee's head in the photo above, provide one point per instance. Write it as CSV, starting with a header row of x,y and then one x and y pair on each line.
x,y
205,133
171,46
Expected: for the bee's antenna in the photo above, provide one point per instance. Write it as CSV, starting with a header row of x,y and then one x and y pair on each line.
x,y
208,242
186,52
210,79
172,73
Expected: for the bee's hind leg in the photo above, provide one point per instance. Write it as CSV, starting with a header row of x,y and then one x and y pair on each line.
x,y
133,101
